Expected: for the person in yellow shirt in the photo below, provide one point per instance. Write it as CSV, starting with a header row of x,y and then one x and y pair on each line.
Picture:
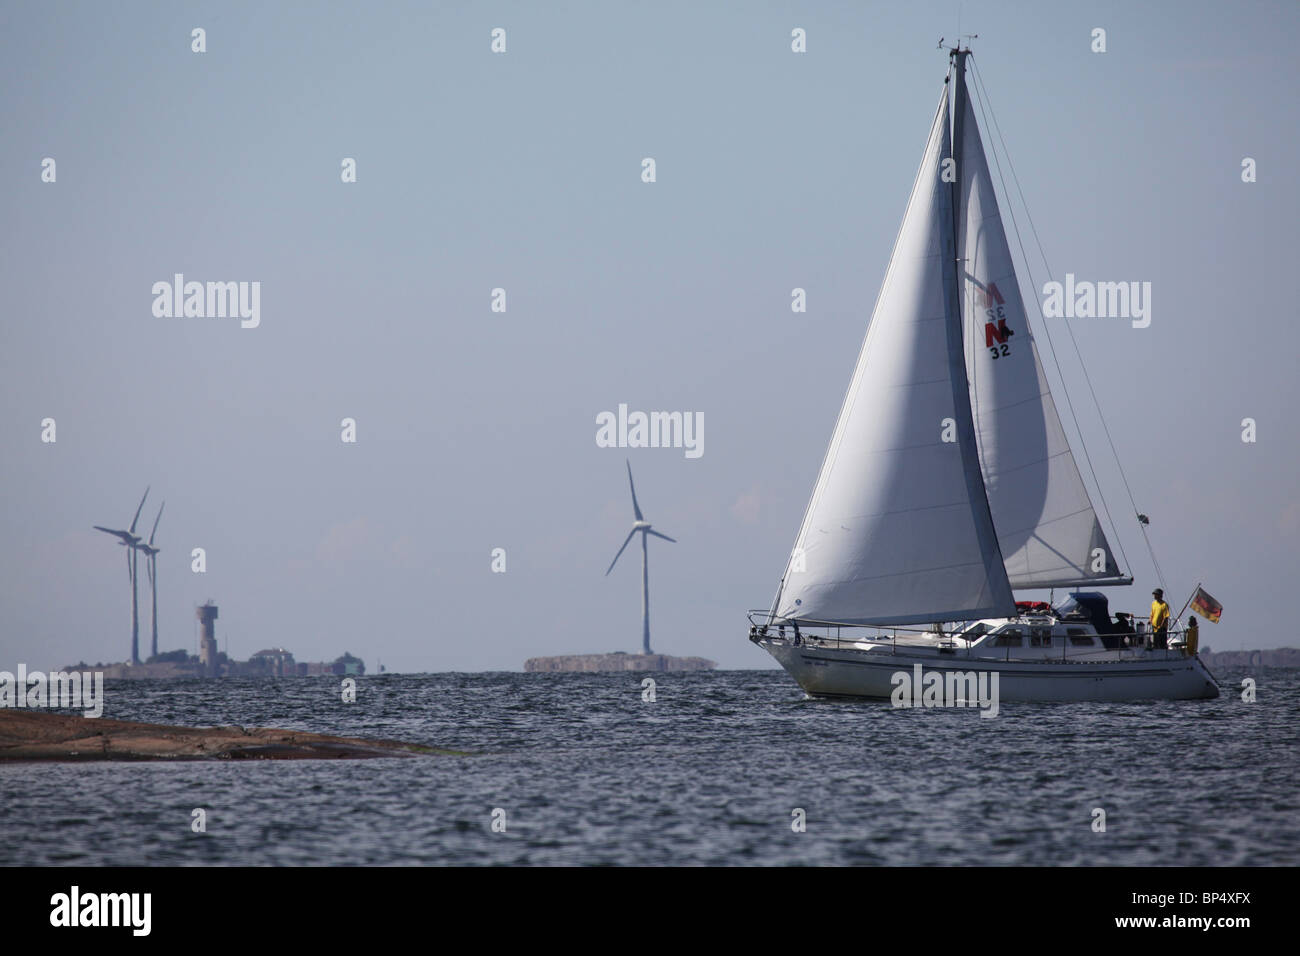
x,y
1159,620
1193,638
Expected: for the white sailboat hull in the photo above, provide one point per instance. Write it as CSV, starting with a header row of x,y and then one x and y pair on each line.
x,y
866,671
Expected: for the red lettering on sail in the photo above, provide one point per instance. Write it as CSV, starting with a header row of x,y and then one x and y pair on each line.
x,y
988,296
996,333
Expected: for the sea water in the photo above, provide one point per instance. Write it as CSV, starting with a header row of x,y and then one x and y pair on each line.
x,y
727,767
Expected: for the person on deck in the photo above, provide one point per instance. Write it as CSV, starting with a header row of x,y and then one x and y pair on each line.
x,y
1193,638
1159,620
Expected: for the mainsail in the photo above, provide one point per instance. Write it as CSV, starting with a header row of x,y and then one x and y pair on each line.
x,y
898,529
1047,529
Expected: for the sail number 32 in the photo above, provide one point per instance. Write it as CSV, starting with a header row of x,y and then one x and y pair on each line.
x,y
996,332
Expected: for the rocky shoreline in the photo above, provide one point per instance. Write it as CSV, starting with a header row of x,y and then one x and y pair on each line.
x,y
34,735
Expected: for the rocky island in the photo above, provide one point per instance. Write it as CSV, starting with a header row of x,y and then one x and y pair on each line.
x,y
27,735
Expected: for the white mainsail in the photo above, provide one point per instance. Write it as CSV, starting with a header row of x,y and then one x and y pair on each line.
x,y
898,529
1047,529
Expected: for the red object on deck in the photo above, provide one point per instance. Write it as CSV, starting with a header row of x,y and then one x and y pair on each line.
x,y
1033,607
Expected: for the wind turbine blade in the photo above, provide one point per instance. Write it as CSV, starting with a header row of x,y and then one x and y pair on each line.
x,y
137,510
155,523
620,551
635,507
106,530
658,535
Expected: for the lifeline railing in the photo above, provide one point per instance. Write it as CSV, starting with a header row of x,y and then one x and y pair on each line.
x,y
763,624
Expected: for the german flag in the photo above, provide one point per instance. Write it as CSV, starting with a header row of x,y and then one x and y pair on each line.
x,y
1206,606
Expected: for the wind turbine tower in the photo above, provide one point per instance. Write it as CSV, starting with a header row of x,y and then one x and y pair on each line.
x,y
151,566
130,539
642,526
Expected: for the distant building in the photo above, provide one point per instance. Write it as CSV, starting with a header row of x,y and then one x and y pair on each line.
x,y
207,614
347,665
211,662
276,661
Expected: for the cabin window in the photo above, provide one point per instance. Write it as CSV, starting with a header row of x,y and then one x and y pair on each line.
x,y
1040,637
1079,637
1012,638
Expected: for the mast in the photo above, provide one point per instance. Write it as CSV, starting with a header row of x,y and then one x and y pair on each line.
x,y
958,58
953,286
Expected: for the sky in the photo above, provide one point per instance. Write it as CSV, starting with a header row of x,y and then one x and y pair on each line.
x,y
523,171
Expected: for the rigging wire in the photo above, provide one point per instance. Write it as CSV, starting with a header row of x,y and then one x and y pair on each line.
x,y
1142,519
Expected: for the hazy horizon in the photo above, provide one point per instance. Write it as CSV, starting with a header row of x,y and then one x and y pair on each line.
x,y
477,429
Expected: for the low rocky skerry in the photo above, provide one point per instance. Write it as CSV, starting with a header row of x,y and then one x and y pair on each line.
x,y
31,735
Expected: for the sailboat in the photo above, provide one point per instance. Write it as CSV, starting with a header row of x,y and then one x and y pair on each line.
x,y
949,483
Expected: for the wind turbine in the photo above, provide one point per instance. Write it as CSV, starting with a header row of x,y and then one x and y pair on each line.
x,y
642,526
151,566
130,539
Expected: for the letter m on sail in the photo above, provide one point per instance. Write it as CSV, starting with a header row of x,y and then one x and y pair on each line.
x,y
996,333
986,297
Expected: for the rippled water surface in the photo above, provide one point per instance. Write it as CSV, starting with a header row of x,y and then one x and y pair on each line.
x,y
709,773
